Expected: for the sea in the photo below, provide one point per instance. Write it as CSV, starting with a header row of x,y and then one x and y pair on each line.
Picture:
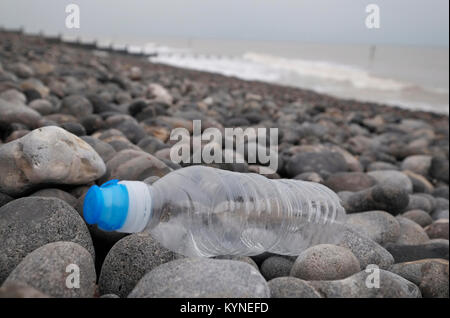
x,y
412,77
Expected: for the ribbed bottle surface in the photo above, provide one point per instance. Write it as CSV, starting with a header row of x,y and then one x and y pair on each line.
x,y
202,211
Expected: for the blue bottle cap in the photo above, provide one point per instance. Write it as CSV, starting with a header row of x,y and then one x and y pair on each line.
x,y
106,206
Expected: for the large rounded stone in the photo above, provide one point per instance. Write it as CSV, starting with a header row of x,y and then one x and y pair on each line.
x,y
420,183
349,181
411,233
321,162
390,286
48,155
420,217
59,269
325,262
128,261
13,96
28,223
396,178
76,105
366,250
439,168
408,253
385,197
418,163
379,226
442,214
291,287
18,113
135,165
441,204
438,229
276,266
431,275
419,202
74,128
199,277
43,106
441,192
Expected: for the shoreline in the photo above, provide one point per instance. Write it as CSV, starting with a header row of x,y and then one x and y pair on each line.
x,y
306,95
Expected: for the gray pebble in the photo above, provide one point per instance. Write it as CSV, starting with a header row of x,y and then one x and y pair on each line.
x,y
386,197
16,112
320,162
128,261
420,183
366,250
396,178
379,226
76,105
419,202
411,233
55,267
390,286
438,229
29,223
349,181
291,287
48,155
436,248
441,192
441,214
200,278
417,163
431,275
439,168
276,266
325,262
42,106
420,217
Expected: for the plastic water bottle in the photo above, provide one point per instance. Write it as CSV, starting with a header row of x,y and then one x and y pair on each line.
x,y
203,211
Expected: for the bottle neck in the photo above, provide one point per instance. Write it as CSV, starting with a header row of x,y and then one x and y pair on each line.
x,y
140,207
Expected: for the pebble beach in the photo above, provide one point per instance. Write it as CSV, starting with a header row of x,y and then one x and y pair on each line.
x,y
72,116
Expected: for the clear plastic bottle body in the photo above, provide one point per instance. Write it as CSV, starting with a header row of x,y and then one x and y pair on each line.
x,y
202,211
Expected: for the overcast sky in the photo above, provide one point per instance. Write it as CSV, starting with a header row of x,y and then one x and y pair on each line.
x,y
417,22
